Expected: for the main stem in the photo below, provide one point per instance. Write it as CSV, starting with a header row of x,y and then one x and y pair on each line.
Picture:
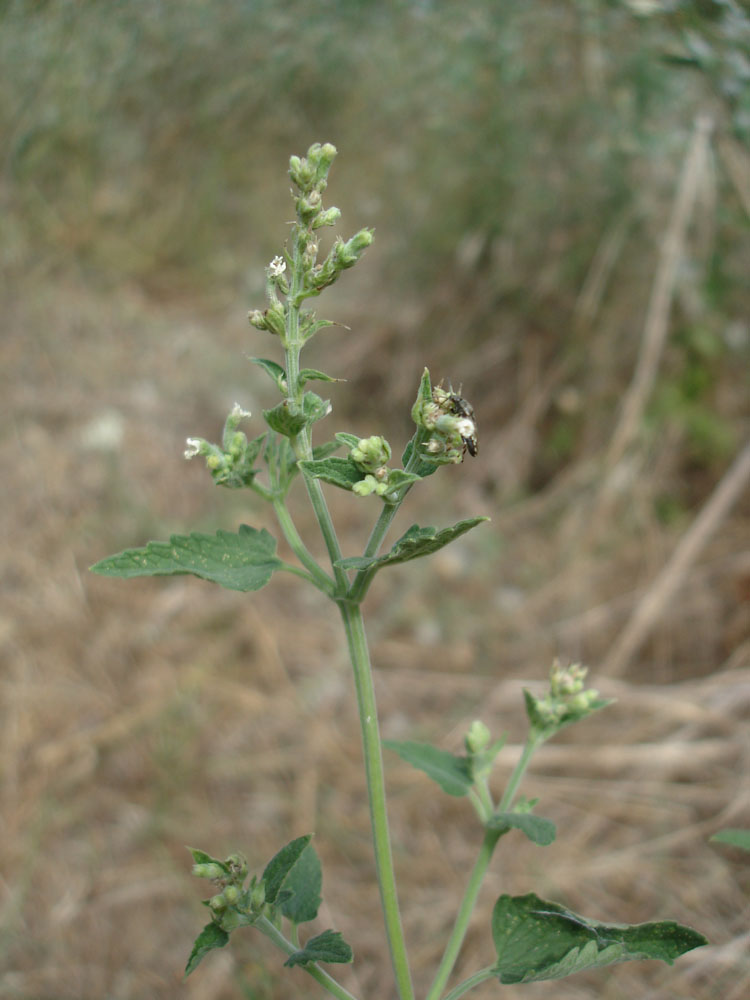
x,y
360,658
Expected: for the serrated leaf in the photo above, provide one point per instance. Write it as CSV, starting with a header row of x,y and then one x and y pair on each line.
x,y
284,420
336,471
313,375
242,561
413,544
539,830
733,837
274,370
303,883
211,937
326,947
536,940
451,772
281,865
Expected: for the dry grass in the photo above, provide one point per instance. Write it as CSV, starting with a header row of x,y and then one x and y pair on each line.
x,y
138,717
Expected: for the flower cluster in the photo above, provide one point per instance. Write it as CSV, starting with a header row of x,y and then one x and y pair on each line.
x,y
450,421
232,464
566,701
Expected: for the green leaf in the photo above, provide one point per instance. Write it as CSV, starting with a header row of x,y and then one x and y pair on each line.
x,y
413,544
451,772
243,561
304,881
273,369
337,471
312,374
314,407
212,936
539,830
349,440
734,837
281,864
536,940
201,858
326,947
284,420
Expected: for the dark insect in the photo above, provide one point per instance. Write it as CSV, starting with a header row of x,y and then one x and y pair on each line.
x,y
463,408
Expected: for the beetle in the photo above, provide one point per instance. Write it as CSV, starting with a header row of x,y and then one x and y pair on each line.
x,y
461,407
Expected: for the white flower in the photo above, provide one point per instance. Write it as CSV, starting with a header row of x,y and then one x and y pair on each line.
x,y
238,413
193,447
277,267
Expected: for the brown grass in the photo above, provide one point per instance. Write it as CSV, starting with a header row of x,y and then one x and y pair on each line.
x,y
139,717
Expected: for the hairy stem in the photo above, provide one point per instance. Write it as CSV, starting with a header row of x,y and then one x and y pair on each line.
x,y
360,658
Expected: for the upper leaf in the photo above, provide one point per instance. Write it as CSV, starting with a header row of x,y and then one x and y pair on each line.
x,y
273,369
337,471
539,830
451,772
415,542
242,561
212,936
326,947
312,374
281,864
304,882
536,939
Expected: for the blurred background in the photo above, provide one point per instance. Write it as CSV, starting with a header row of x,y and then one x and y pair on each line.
x,y
561,198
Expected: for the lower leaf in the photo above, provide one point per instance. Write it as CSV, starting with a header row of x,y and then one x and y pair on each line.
x,y
212,936
536,939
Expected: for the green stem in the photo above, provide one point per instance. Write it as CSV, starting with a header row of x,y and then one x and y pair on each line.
x,y
468,903
360,658
479,977
319,577
471,894
532,743
313,969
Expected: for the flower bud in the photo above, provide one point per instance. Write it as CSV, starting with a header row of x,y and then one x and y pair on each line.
x,y
218,903
257,896
231,894
371,454
208,869
477,738
329,217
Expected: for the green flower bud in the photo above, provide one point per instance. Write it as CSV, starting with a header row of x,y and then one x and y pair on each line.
x,y
276,319
302,172
257,896
257,318
231,894
477,738
309,206
208,869
366,486
371,454
329,217
218,903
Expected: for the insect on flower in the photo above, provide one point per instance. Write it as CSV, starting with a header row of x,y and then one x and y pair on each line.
x,y
455,404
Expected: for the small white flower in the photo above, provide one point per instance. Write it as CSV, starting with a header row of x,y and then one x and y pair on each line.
x,y
193,447
277,267
239,413
466,427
